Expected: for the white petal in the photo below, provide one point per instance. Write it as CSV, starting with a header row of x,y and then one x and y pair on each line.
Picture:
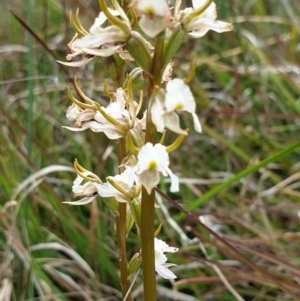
x,y
81,63
108,129
164,272
157,111
160,257
109,36
76,184
86,126
179,96
106,190
171,120
73,112
171,249
199,33
174,181
98,22
128,176
161,266
197,124
200,27
91,41
143,157
153,7
160,246
83,201
210,13
105,52
149,179
198,3
153,26
151,161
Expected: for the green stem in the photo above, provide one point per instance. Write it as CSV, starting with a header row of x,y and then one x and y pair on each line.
x,y
147,226
147,237
148,200
121,230
147,230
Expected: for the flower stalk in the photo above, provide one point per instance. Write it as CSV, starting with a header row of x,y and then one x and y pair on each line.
x,y
121,229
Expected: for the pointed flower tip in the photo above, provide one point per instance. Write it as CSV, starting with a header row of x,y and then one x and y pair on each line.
x,y
84,201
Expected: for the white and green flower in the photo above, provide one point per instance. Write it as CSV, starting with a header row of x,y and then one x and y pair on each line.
x,y
85,186
100,40
198,25
121,187
161,267
114,120
153,160
155,16
177,97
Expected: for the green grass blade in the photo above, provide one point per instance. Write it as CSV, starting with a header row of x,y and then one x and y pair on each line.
x,y
196,203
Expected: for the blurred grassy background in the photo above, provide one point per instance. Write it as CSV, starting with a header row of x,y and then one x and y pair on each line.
x,y
248,96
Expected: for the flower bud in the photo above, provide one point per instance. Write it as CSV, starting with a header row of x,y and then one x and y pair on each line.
x,y
138,79
111,66
135,206
129,220
111,203
134,264
139,50
173,44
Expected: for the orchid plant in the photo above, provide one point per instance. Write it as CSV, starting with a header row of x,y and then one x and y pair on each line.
x,y
145,104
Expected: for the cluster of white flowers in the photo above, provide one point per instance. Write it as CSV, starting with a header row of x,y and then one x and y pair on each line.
x,y
114,34
155,17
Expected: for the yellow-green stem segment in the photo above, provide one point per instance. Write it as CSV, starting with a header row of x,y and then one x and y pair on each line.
x,y
147,237
148,200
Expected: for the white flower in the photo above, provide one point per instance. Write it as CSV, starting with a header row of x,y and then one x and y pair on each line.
x,y
153,160
123,190
178,97
161,267
198,26
114,120
155,15
88,189
99,41
99,124
79,115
